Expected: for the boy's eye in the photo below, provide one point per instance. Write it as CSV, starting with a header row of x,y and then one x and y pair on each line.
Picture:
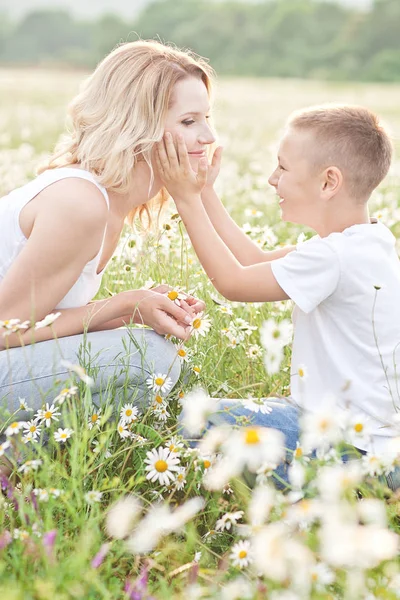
x,y
188,122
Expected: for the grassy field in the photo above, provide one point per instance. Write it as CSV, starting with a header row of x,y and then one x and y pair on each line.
x,y
56,540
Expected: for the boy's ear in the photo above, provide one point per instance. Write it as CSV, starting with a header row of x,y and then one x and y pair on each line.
x,y
332,181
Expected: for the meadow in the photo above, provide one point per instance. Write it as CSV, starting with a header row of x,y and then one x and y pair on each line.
x,y
86,517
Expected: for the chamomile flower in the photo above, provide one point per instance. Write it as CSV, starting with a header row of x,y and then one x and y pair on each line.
x,y
32,427
62,435
176,296
4,446
257,405
123,430
161,413
161,465
183,354
23,405
174,445
276,335
253,352
65,394
228,520
302,372
48,414
197,370
48,320
42,495
80,371
180,480
128,413
13,325
240,554
358,430
93,496
30,465
159,382
201,325
95,418
14,428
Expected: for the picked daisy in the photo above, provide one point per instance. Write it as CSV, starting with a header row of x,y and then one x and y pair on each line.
x,y
201,325
241,554
161,465
159,382
62,435
128,413
48,414
176,296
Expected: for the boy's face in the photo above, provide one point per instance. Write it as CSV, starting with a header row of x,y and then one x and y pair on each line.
x,y
295,181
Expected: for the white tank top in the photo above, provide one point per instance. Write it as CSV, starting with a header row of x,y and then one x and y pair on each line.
x,y
12,240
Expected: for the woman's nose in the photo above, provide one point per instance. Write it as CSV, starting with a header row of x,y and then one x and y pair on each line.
x,y
273,179
207,136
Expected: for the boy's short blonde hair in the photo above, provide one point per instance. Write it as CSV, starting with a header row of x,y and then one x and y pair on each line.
x,y
351,139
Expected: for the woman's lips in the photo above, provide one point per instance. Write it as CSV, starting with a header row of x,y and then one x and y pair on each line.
x,y
199,153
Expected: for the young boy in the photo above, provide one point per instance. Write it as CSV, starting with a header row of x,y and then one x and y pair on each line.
x,y
345,282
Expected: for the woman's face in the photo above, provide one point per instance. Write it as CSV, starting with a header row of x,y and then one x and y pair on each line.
x,y
188,115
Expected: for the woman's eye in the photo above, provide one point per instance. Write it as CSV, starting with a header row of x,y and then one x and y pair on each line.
x,y
188,122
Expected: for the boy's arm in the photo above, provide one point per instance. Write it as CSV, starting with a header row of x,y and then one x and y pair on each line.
x,y
241,246
254,283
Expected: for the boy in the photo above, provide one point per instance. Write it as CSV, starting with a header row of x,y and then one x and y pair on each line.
x,y
345,282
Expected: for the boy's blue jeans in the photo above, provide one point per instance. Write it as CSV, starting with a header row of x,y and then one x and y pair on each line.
x,y
284,417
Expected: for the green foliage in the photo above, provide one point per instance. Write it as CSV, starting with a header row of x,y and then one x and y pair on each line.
x,y
269,38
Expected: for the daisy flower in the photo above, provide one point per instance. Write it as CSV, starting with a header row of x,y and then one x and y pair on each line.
x,y
23,405
161,413
161,464
183,354
240,554
176,296
121,517
13,325
80,371
62,435
123,430
32,428
14,428
175,445
42,495
273,360
30,465
196,370
48,320
302,372
128,413
93,496
65,394
275,335
257,405
94,418
201,325
159,382
227,520
254,351
180,480
3,447
48,414
254,446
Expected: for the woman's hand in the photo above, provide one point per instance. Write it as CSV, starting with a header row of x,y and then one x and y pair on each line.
x,y
176,172
160,313
190,303
214,168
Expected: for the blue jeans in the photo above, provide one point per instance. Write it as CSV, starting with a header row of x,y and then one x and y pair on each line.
x,y
118,359
284,417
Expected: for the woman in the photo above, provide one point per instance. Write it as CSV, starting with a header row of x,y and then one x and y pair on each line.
x,y
58,232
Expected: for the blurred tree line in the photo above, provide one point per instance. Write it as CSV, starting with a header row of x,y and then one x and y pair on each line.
x,y
274,38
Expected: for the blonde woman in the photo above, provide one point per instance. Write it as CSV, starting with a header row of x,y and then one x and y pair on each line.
x,y
58,232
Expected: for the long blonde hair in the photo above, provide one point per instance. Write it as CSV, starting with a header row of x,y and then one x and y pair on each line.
x,y
120,112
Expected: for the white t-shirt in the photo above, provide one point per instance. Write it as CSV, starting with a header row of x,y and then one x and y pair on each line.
x,y
346,332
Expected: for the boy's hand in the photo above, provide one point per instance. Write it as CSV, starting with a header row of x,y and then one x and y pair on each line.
x,y
175,170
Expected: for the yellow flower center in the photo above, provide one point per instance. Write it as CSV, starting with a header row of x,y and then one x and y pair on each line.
x,y
242,554
181,395
32,428
94,418
48,414
128,412
358,427
64,391
197,369
182,352
196,323
161,466
276,334
14,425
172,295
252,437
159,381
207,464
323,425
314,576
301,372
63,436
121,428
159,399
298,453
